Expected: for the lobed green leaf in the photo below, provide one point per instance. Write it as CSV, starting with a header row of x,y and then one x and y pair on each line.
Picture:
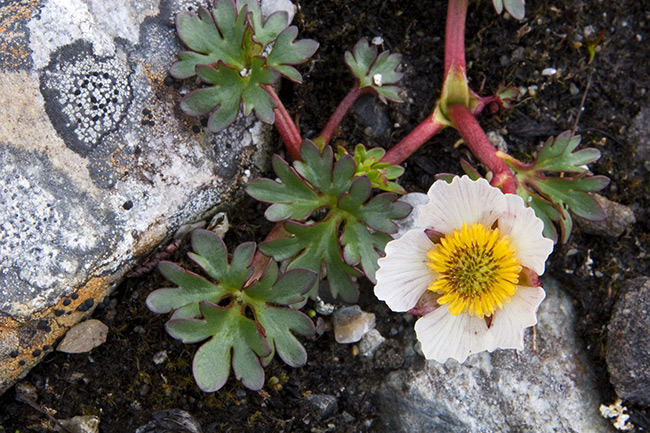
x,y
378,73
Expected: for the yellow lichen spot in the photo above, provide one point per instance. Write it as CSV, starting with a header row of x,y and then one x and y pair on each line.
x,y
476,270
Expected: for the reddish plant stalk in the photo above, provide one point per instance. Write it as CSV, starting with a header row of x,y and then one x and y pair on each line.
x,y
455,36
478,143
412,142
336,117
285,126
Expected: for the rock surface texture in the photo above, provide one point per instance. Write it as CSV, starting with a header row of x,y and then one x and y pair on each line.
x,y
628,342
97,164
550,389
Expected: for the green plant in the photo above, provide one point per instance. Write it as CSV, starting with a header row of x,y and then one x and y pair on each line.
x,y
333,221
236,53
247,321
558,182
317,183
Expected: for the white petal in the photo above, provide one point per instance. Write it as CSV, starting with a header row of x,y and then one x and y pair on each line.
x,y
517,314
525,231
444,335
461,201
403,274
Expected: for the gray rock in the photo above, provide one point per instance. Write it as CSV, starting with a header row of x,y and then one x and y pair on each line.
x,y
550,389
84,337
351,324
98,166
628,342
619,218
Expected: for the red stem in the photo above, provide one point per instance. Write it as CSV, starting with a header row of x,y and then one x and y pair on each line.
x,y
285,126
481,147
455,36
412,142
343,107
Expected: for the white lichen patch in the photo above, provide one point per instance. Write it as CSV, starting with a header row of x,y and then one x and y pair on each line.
x,y
91,95
62,22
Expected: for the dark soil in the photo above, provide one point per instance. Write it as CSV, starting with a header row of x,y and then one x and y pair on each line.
x,y
120,383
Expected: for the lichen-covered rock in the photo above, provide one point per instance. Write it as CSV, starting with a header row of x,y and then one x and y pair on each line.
x,y
628,342
97,164
547,389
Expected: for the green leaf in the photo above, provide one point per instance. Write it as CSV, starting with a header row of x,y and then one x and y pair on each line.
x,y
376,72
574,193
209,43
233,337
255,97
316,246
287,52
221,101
558,155
363,247
291,197
194,289
290,289
280,325
265,31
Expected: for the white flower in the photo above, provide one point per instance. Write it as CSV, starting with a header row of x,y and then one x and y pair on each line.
x,y
470,267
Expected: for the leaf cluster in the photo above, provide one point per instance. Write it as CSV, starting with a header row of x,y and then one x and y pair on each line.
x,y
331,221
379,173
246,321
559,182
375,72
235,53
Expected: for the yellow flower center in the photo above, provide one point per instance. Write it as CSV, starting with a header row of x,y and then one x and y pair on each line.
x,y
477,270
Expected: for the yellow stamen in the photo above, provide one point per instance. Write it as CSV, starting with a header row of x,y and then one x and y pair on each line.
x,y
477,270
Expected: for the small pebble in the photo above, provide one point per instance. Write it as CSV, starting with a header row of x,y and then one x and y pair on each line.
x,y
323,308
66,302
168,81
81,424
326,404
84,337
160,357
370,342
351,324
549,71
